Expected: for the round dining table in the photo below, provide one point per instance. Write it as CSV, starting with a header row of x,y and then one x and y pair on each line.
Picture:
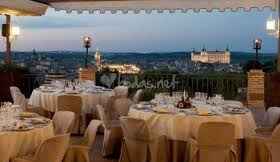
x,y
47,99
21,132
181,126
20,143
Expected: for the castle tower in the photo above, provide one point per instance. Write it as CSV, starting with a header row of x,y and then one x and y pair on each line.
x,y
204,48
227,55
98,58
227,49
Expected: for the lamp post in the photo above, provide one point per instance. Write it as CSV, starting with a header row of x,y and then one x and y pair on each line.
x,y
87,45
6,32
257,47
10,33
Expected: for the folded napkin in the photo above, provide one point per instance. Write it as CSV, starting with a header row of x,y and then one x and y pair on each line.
x,y
39,121
202,111
90,90
161,109
27,114
143,106
68,91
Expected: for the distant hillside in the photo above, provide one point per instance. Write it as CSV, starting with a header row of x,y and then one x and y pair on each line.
x,y
243,57
236,57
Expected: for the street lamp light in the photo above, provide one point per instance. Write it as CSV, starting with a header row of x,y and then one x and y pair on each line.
x,y
257,47
87,45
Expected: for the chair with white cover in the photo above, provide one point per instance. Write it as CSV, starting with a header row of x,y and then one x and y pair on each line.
x,y
63,122
112,131
263,149
18,97
79,150
122,105
51,150
272,119
214,143
140,144
137,96
273,116
74,104
121,91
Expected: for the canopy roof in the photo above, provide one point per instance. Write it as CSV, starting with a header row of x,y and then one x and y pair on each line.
x,y
22,7
160,5
39,7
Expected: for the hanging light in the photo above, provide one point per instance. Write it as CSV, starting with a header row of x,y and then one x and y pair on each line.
x,y
272,26
15,31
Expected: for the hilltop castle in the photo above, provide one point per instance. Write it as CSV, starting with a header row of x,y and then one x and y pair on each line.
x,y
121,68
222,57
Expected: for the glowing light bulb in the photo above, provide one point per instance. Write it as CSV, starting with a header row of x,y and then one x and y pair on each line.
x,y
15,31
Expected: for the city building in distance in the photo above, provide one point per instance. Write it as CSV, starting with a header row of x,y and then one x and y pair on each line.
x,y
120,68
222,57
123,68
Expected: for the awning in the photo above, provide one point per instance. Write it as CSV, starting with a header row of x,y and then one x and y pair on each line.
x,y
22,7
93,6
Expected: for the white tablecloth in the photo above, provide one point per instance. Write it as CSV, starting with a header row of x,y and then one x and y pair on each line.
x,y
13,144
182,127
48,100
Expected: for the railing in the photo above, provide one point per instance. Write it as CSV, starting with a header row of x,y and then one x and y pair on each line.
x,y
31,82
231,86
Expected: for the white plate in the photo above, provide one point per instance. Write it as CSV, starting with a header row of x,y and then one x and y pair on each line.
x,y
47,90
72,92
22,129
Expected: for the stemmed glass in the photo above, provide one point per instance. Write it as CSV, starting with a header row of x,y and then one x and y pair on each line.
x,y
7,114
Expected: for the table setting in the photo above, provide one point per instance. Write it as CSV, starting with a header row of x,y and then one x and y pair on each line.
x,y
72,87
199,105
164,115
46,95
21,132
12,118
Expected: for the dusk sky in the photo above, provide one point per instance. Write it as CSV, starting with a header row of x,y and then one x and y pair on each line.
x,y
156,32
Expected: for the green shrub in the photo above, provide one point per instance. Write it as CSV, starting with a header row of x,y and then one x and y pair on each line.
x,y
12,68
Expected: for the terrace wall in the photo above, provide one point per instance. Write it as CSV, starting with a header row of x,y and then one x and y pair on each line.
x,y
272,89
